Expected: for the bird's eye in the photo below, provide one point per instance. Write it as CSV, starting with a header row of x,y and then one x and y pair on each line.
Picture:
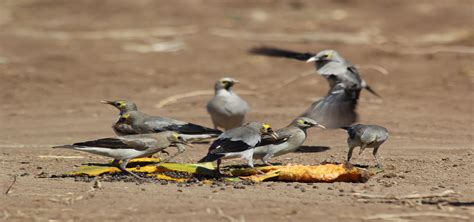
x,y
179,137
305,122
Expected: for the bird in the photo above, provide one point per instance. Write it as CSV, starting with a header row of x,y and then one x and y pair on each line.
x,y
238,143
226,108
132,121
338,108
329,64
365,136
121,128
290,138
125,148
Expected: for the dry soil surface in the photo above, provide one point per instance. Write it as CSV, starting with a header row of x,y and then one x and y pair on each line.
x,y
59,58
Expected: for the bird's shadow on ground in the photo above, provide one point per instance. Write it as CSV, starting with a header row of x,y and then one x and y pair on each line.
x,y
312,149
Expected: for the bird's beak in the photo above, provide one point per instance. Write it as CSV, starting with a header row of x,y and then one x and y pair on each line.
x,y
273,134
107,102
312,59
183,141
320,126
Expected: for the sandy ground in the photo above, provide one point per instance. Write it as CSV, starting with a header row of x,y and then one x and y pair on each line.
x,y
59,58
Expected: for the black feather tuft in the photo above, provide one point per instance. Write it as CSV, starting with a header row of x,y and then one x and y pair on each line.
x,y
276,52
210,158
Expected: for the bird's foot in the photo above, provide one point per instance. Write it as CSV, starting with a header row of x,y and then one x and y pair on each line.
x,y
267,164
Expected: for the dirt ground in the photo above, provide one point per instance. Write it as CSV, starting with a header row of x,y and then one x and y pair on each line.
x,y
59,58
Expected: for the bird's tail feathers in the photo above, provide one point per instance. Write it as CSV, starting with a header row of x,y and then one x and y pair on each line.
x,y
64,147
191,128
209,158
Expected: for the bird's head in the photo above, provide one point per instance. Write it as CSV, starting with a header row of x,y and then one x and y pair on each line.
x,y
125,118
305,123
326,56
122,105
175,137
266,129
225,83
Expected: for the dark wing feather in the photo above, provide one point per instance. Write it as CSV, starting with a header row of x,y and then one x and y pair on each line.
x,y
226,145
283,136
270,140
112,143
276,52
335,110
191,128
221,146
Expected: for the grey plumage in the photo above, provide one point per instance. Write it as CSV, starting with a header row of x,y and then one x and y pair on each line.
x,y
329,64
121,128
226,108
289,140
144,123
238,143
125,148
336,69
338,107
141,123
365,136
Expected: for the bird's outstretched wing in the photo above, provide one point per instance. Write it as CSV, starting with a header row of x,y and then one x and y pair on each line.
x,y
335,110
276,52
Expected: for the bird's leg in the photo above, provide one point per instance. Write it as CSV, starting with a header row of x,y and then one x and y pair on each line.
x,y
123,166
349,154
181,149
250,164
265,160
116,163
362,148
219,161
375,157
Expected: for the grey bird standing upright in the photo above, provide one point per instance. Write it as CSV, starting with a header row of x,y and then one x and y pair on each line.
x,y
121,128
238,143
365,136
337,108
289,140
129,147
226,108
